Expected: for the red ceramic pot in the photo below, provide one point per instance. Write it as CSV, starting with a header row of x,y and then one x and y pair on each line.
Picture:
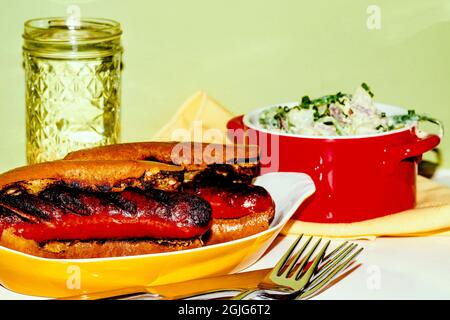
x,y
357,178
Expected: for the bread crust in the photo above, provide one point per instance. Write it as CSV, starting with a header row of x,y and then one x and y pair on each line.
x,y
95,175
92,249
190,155
236,163
224,230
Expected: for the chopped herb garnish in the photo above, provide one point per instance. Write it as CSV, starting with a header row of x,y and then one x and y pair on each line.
x,y
367,88
306,103
335,114
316,113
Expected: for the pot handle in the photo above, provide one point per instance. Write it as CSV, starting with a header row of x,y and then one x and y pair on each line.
x,y
237,131
236,123
422,145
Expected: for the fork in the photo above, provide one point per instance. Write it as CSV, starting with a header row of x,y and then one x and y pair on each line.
x,y
276,284
291,279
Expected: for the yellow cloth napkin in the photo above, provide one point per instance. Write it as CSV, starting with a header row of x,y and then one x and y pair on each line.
x,y
430,217
201,118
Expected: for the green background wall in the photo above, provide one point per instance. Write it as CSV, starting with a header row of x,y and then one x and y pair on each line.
x,y
247,54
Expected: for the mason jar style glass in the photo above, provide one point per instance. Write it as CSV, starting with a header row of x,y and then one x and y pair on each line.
x,y
73,85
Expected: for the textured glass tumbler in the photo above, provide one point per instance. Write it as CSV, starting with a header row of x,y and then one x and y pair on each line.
x,y
73,86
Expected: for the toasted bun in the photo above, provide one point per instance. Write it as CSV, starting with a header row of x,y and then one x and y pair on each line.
x,y
195,154
95,175
239,161
93,249
223,230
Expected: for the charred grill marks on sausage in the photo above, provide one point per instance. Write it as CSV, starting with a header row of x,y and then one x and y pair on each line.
x,y
54,202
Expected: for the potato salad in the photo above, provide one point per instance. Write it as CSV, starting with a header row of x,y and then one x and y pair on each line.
x,y
340,114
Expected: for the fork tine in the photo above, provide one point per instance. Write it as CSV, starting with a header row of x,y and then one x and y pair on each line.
x,y
280,264
312,269
274,273
309,291
332,263
332,253
296,258
304,261
344,252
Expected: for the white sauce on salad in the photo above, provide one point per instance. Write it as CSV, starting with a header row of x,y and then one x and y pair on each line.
x,y
334,115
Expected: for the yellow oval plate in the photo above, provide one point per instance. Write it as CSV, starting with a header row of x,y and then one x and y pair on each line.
x,y
36,276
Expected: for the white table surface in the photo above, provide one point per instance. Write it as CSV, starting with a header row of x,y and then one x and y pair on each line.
x,y
388,268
